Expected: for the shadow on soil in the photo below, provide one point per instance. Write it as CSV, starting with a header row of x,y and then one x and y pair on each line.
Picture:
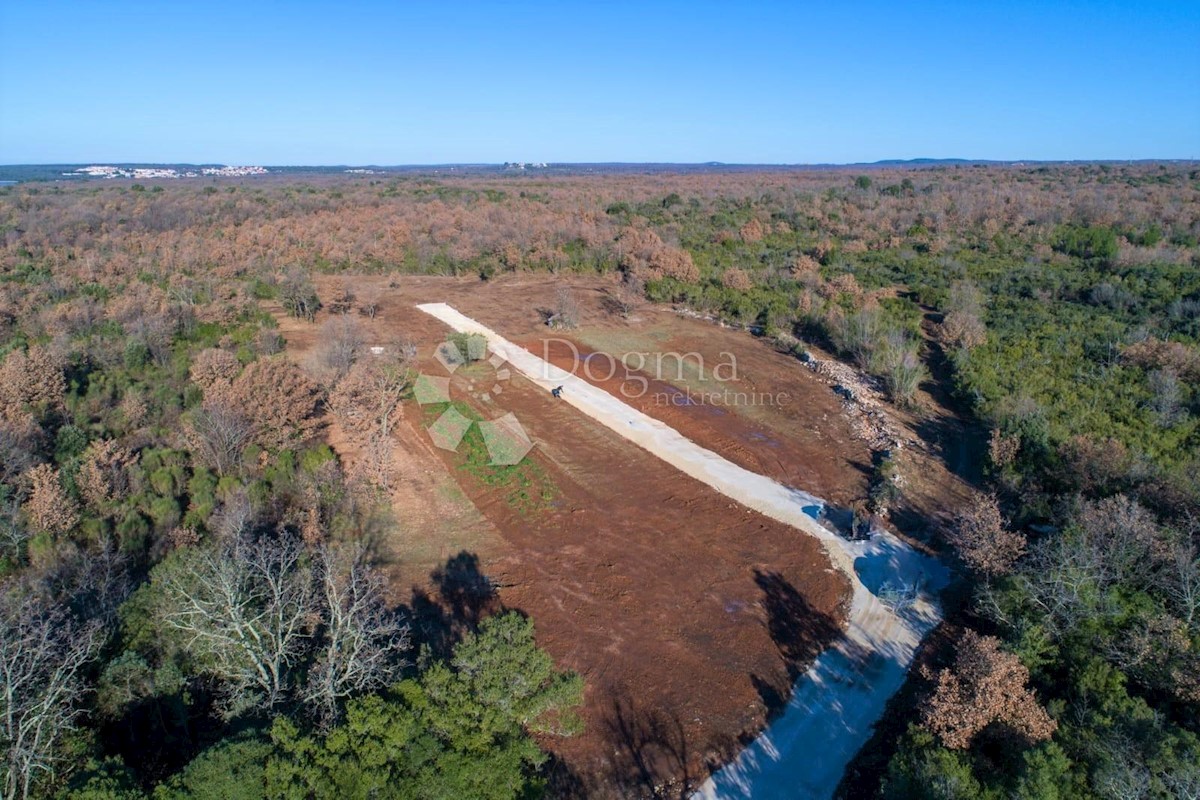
x,y
798,630
462,596
651,754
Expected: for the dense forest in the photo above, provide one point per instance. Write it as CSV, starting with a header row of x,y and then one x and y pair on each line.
x,y
189,600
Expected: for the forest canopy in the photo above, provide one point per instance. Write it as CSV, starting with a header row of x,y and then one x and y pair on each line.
x,y
183,558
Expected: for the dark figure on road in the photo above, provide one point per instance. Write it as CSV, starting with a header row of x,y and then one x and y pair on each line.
x,y
556,391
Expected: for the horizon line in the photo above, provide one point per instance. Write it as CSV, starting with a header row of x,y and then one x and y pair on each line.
x,y
549,164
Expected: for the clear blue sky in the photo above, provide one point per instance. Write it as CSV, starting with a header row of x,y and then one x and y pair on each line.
x,y
450,81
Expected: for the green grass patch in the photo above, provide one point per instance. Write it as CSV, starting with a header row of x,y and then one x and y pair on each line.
x,y
525,485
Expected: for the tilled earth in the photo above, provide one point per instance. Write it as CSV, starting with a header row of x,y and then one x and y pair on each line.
x,y
687,615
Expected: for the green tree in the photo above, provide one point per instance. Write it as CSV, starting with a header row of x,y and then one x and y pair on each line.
x,y
460,730
234,769
106,780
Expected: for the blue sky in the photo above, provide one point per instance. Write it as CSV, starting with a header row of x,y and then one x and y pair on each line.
x,y
416,83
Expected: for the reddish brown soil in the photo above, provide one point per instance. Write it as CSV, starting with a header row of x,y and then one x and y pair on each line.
x,y
686,614
808,446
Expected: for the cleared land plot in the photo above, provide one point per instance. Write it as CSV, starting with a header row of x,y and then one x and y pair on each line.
x,y
687,614
805,751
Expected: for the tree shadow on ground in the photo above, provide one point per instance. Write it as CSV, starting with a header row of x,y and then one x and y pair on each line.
x,y
652,755
462,597
799,631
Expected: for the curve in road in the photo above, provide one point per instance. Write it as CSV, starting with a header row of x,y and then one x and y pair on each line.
x,y
804,751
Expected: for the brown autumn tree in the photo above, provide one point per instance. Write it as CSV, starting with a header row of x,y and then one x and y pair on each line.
x,y
805,265
33,380
737,278
752,231
367,400
674,262
214,367
103,477
49,508
281,401
1002,449
962,330
983,540
986,685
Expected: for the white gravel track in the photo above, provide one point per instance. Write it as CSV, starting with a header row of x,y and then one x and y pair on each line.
x,y
805,749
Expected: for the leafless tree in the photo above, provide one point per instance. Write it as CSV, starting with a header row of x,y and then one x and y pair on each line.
x,y
1124,776
1166,397
19,436
342,301
42,654
339,344
366,400
1181,581
859,334
246,610
622,300
298,295
218,433
268,342
369,301
1183,782
361,638
566,309
903,369
235,518
13,532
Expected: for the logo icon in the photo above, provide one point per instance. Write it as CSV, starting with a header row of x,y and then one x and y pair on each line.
x,y
506,441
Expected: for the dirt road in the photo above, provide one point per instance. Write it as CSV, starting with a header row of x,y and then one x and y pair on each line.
x,y
803,753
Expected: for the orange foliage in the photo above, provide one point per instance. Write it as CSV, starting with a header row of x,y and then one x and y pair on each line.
x,y
986,685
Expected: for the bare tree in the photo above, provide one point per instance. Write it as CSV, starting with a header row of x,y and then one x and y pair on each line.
x,y
369,301
13,532
361,638
246,611
1166,397
1181,581
1124,776
566,309
298,295
623,299
342,301
19,435
338,345
218,433
1183,782
42,654
235,518
903,369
